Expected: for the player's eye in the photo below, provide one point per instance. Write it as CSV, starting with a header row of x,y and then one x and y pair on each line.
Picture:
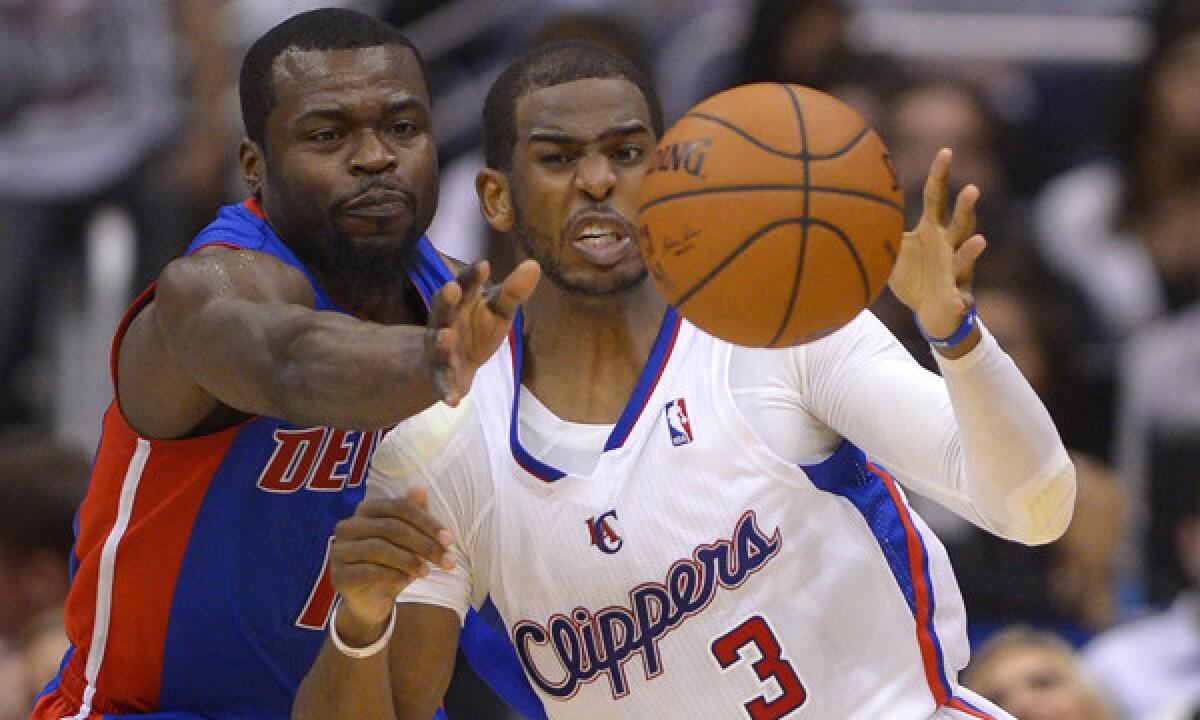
x,y
554,159
628,154
325,135
404,128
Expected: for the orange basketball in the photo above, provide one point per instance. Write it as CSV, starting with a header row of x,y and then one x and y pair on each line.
x,y
771,215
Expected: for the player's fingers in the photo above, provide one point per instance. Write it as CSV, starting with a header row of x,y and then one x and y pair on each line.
x,y
935,187
965,258
387,541
404,511
378,551
445,300
473,277
503,299
419,496
962,224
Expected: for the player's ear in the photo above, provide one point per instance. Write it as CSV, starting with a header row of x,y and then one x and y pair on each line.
x,y
495,200
252,163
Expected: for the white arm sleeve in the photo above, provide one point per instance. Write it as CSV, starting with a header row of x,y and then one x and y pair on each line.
x,y
980,442
443,449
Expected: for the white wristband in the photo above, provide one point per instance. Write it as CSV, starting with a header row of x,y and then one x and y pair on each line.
x,y
361,652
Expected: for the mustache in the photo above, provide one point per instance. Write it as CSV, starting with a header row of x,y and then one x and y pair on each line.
x,y
378,184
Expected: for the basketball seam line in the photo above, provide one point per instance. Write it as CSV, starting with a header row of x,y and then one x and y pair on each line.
x,y
802,155
716,269
716,189
799,272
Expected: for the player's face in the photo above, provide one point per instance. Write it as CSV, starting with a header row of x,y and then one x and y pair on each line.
x,y
582,150
350,163
1035,683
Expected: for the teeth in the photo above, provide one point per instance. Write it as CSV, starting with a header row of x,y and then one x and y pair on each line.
x,y
597,234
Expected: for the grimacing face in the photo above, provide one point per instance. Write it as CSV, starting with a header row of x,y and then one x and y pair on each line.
x,y
348,174
582,150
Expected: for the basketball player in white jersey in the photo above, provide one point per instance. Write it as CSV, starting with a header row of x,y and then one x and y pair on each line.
x,y
659,524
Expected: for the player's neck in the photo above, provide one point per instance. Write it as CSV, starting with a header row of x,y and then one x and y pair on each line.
x,y
583,356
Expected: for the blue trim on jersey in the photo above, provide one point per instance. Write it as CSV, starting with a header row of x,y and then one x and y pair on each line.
x,y
485,644
659,354
974,707
532,465
431,272
652,370
845,473
238,225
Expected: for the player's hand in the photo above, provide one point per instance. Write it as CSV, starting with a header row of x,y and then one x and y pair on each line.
x,y
936,264
377,552
467,321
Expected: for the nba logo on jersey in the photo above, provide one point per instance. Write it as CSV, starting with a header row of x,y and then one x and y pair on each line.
x,y
678,423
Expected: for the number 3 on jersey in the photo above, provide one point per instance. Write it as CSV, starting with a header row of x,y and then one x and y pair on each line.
x,y
771,666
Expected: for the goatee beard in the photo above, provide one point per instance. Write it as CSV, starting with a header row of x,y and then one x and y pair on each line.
x,y
356,270
366,269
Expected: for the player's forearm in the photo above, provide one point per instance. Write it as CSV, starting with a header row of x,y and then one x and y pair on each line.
x,y
1018,474
339,687
337,371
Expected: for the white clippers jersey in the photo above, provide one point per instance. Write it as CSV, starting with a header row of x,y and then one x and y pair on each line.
x,y
694,573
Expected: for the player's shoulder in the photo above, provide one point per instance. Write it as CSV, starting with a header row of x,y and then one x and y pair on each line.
x,y
223,271
430,438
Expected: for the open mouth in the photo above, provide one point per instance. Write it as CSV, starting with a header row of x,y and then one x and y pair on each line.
x,y
602,240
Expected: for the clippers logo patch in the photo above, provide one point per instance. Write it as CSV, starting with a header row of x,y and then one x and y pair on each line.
x,y
603,534
678,423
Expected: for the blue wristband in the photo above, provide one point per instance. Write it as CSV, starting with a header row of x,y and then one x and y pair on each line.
x,y
960,333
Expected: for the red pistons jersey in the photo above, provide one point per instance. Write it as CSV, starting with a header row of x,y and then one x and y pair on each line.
x,y
200,579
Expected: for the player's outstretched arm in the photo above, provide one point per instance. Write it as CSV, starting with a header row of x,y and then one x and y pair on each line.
x,y
396,659
936,263
978,439
237,328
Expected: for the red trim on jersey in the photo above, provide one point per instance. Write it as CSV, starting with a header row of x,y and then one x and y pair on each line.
x,y
921,591
251,204
56,705
962,706
173,485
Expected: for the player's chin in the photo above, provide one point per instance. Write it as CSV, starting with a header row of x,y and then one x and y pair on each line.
x,y
611,281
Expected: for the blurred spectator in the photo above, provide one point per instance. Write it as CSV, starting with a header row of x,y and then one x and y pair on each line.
x,y
1158,441
101,102
1035,675
1152,664
805,42
1125,231
40,487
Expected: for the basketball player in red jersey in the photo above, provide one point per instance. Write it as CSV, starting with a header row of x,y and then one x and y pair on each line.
x,y
252,382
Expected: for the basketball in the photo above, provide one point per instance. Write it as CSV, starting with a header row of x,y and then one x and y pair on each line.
x,y
771,215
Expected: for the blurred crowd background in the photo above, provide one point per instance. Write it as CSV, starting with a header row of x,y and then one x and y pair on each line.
x,y
1078,119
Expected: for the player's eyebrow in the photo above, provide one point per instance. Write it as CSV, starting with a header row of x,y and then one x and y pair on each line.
x,y
551,135
338,112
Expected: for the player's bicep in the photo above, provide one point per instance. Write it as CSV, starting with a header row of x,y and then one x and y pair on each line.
x,y
421,657
224,317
